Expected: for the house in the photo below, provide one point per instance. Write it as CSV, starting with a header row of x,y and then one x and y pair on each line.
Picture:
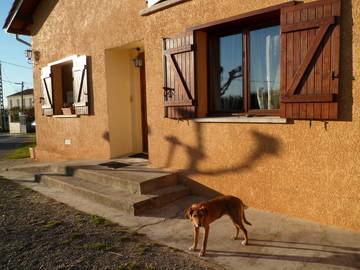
x,y
21,111
21,99
258,99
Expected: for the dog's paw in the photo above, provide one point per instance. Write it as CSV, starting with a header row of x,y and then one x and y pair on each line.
x,y
234,238
201,253
192,248
244,243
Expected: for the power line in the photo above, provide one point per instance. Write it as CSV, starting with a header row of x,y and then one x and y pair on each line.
x,y
27,83
5,62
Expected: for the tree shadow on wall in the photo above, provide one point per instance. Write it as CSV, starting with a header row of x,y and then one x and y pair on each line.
x,y
264,145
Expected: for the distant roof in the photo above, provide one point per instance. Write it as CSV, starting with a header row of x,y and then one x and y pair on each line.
x,y
19,19
29,91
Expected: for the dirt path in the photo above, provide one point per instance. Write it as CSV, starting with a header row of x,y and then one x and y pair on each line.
x,y
39,233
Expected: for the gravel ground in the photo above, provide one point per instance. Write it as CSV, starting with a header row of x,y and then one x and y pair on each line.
x,y
39,233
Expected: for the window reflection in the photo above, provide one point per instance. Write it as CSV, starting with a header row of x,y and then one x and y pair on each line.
x,y
228,92
265,68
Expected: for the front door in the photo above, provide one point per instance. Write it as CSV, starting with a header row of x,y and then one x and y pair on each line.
x,y
144,124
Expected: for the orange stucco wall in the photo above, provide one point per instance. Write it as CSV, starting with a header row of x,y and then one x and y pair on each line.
x,y
311,172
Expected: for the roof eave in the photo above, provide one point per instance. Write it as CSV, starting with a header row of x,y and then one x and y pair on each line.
x,y
11,16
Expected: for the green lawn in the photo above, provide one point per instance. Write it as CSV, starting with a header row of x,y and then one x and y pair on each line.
x,y
22,152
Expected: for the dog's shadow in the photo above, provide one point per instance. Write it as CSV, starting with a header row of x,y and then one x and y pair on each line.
x,y
175,209
325,254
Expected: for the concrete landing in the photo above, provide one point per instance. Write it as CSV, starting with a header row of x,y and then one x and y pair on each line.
x,y
275,241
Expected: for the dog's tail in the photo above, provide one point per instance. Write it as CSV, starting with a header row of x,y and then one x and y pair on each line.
x,y
243,214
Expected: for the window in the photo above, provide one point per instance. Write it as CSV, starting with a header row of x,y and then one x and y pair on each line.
x,y
18,102
11,103
65,85
236,87
281,60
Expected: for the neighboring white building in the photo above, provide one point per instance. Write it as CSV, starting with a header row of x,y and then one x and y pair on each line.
x,y
23,99
14,100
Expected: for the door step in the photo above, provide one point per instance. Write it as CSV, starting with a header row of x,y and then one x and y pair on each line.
x,y
131,189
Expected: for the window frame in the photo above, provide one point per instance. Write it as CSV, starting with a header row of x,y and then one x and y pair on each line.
x,y
320,38
80,81
244,29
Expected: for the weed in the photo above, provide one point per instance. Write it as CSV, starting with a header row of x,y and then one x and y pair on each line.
x,y
99,246
75,236
51,224
97,220
133,266
134,233
17,196
108,223
174,249
65,242
41,222
150,267
144,249
123,238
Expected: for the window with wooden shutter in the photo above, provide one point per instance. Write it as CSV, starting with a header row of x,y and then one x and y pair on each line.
x,y
80,85
47,91
310,51
179,77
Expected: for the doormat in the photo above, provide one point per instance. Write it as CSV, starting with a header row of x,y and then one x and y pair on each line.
x,y
114,164
140,155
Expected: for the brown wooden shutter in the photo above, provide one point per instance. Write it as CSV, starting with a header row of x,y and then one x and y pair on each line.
x,y
80,85
46,91
310,60
179,77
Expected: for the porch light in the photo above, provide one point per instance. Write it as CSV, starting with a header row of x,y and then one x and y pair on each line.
x,y
138,62
32,56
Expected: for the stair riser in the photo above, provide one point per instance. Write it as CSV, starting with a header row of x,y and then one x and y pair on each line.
x,y
160,201
87,194
158,183
145,187
123,184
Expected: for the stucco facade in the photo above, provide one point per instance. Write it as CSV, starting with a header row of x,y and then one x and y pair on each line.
x,y
305,169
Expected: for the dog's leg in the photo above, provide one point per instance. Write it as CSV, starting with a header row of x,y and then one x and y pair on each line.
x,y
203,249
235,218
195,239
242,228
236,235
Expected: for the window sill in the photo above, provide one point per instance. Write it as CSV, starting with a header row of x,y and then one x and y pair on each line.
x,y
160,6
66,116
242,119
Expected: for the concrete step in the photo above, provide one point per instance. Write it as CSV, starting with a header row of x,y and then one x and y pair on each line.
x,y
134,180
130,203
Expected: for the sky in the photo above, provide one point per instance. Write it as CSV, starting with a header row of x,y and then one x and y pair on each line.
x,y
14,65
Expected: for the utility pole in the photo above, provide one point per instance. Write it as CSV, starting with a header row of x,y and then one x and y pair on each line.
x,y
2,112
22,96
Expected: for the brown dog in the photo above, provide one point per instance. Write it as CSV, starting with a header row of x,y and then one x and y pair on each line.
x,y
203,213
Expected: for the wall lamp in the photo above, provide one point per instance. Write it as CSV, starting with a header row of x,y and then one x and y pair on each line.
x,y
138,61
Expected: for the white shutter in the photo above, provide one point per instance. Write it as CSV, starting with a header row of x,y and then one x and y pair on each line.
x,y
80,85
152,2
46,91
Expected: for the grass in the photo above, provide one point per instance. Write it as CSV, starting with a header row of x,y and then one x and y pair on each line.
x,y
21,152
51,224
97,220
99,246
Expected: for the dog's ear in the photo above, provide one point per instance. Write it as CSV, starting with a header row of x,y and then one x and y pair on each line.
x,y
188,212
204,210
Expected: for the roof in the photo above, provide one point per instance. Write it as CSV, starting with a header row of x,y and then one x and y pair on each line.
x,y
29,91
19,19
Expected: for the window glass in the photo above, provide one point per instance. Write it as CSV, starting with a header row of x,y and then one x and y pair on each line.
x,y
265,68
228,75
